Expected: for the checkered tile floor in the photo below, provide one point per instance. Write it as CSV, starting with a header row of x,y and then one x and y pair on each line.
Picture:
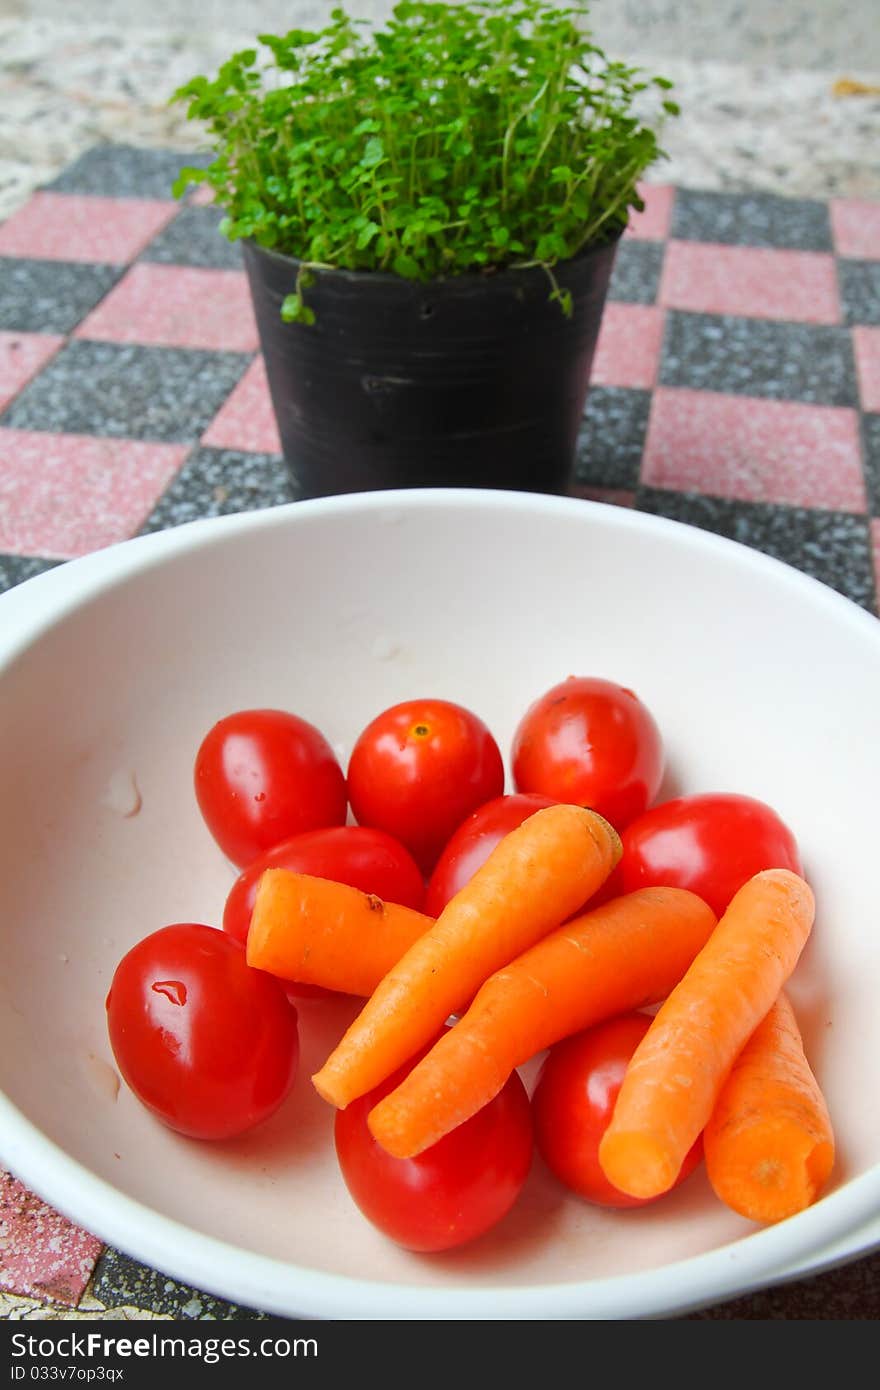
x,y
736,384
736,387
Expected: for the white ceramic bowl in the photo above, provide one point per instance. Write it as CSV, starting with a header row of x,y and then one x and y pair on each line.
x,y
114,666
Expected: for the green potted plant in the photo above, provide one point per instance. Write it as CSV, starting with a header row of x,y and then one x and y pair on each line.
x,y
429,212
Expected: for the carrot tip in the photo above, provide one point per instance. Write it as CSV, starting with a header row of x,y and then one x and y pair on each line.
x,y
327,1091
636,1163
776,1174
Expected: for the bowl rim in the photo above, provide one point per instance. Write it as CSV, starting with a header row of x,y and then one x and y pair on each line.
x,y
843,1225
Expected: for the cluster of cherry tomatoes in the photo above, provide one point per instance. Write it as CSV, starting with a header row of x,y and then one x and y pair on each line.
x,y
211,1045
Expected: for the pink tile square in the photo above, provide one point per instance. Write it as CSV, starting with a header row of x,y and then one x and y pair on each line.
x,y
752,281
628,350
754,450
201,196
42,1254
653,222
176,306
83,227
246,420
63,495
866,345
613,496
21,357
855,224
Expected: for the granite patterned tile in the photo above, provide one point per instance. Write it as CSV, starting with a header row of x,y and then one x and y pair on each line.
x,y
754,450
628,350
15,569
246,419
66,495
855,223
21,357
757,357
860,291
193,238
50,296
636,275
220,482
43,1254
751,281
118,170
871,432
612,438
833,547
866,346
67,227
653,222
875,547
751,219
119,1279
128,391
176,306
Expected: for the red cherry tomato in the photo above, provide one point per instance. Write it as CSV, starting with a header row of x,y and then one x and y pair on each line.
x,y
418,769
473,842
208,1044
452,1192
592,743
710,843
358,855
263,775
573,1101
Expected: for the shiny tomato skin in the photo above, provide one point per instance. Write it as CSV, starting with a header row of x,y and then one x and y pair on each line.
x,y
208,1044
454,1191
358,855
471,844
573,1101
264,775
590,742
419,768
711,843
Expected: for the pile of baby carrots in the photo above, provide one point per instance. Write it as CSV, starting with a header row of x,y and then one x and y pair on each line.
x,y
521,963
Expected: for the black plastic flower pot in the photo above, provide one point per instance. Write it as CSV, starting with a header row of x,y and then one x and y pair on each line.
x,y
472,381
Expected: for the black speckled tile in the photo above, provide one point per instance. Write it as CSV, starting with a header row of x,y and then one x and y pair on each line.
x,y
872,462
759,357
859,291
612,437
128,391
125,171
120,1281
751,219
50,296
637,268
834,547
193,238
15,569
219,482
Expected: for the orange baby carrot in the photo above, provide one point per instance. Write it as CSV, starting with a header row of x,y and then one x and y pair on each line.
x,y
769,1145
319,932
676,1073
622,955
535,878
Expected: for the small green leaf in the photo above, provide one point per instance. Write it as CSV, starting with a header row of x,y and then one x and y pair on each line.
x,y
406,266
374,153
366,234
293,310
187,176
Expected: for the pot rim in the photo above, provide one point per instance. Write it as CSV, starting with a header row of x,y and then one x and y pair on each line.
x,y
378,277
